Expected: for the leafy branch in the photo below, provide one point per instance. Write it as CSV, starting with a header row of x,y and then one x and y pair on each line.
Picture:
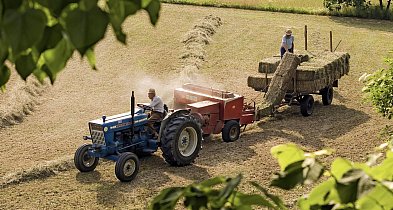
x,y
347,185
40,36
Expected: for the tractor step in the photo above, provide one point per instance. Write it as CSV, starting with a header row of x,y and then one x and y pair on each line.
x,y
149,150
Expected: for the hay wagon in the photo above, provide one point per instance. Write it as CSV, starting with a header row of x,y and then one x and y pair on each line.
x,y
317,74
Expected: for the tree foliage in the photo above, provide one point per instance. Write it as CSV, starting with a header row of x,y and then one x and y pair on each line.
x,y
346,185
40,36
338,4
379,89
365,7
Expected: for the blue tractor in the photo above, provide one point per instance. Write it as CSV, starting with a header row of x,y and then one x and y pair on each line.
x,y
124,137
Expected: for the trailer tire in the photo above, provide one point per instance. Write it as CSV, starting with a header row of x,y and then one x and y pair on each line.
x,y
83,161
181,140
306,105
327,95
127,167
231,131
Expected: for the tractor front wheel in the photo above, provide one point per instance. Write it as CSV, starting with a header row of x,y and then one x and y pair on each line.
x,y
127,167
181,140
231,131
83,161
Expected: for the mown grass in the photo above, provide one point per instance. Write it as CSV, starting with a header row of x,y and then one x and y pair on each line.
x,y
311,7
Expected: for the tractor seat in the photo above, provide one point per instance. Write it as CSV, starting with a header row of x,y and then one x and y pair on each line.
x,y
164,115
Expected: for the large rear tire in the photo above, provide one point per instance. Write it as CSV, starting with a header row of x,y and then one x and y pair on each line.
x,y
83,161
181,140
307,105
231,131
127,167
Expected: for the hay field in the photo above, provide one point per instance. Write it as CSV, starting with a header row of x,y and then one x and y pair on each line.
x,y
151,59
314,5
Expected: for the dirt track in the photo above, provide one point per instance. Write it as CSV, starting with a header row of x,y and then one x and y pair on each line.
x,y
54,130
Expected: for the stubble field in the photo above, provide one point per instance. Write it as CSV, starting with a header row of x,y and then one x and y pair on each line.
x,y
151,59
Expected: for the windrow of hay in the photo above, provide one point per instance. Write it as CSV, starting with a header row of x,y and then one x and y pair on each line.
x,y
40,171
195,41
19,100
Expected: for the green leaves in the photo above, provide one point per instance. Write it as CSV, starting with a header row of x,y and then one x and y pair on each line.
x,y
56,59
25,65
154,10
287,154
209,195
52,36
39,36
296,166
119,10
379,90
5,74
56,6
302,172
23,29
84,27
3,50
12,4
167,199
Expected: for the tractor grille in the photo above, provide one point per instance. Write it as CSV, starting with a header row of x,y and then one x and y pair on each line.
x,y
98,137
97,134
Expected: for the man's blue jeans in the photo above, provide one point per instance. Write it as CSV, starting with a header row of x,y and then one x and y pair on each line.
x,y
283,51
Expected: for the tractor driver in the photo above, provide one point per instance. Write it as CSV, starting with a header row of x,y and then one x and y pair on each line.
x,y
157,110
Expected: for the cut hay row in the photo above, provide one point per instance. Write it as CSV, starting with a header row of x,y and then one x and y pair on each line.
x,y
194,42
40,171
19,101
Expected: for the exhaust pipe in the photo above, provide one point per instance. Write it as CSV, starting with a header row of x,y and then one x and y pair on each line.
x,y
132,113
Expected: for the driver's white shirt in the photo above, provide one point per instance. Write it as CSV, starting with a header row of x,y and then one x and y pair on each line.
x,y
157,104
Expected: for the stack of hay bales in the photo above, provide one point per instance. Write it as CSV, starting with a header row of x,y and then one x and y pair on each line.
x,y
280,82
316,71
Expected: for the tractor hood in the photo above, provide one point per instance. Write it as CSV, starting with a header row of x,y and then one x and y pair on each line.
x,y
121,120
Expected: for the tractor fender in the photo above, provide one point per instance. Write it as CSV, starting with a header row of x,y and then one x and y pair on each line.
x,y
170,116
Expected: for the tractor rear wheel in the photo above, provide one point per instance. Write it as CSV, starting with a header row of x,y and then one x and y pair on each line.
x,y
231,131
83,161
127,167
181,140
307,105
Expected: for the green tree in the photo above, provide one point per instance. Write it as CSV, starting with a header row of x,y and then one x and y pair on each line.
x,y
379,89
40,36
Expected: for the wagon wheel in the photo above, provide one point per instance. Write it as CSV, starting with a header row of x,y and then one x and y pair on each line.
x,y
307,105
327,95
231,131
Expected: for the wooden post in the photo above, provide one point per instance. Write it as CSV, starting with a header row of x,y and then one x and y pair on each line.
x,y
331,41
305,37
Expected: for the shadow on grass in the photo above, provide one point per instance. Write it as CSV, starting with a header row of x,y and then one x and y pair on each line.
x,y
372,24
153,174
326,124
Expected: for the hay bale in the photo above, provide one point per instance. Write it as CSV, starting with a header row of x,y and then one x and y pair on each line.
x,y
282,78
269,65
306,73
259,83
